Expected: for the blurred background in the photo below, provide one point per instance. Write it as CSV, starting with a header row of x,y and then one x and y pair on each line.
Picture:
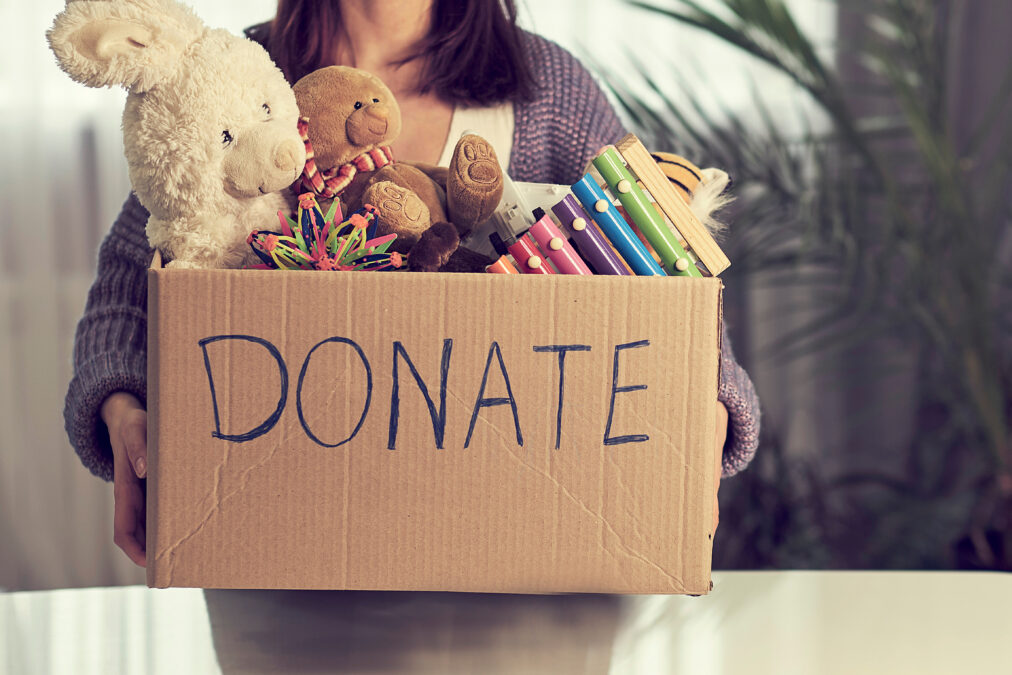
x,y
869,295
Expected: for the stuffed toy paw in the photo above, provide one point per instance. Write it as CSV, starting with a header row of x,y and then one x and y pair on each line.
x,y
403,211
434,248
210,125
474,183
348,119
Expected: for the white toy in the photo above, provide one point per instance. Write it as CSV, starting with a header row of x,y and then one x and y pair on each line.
x,y
210,125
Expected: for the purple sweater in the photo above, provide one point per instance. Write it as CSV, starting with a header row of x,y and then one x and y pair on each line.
x,y
556,133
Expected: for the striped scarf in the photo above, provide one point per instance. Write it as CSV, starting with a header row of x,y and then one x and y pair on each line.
x,y
330,183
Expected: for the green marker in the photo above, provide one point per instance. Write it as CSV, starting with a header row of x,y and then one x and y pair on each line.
x,y
674,259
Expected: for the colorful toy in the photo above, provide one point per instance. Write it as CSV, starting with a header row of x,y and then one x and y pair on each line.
x,y
349,118
313,241
673,257
556,247
598,204
673,204
210,125
594,248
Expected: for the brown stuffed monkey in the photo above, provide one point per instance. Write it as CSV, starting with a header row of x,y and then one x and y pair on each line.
x,y
348,119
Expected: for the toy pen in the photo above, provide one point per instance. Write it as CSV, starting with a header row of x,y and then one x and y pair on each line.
x,y
674,258
681,242
524,251
593,246
596,250
638,232
534,261
502,266
615,228
509,238
553,242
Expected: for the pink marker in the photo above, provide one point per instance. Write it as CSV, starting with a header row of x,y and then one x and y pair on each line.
x,y
529,259
594,248
553,242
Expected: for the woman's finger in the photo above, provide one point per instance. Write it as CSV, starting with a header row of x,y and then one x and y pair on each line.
x,y
134,435
128,517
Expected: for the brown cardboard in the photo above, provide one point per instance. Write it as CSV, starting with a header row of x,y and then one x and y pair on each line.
x,y
283,511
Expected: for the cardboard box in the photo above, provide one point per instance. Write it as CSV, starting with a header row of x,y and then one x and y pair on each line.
x,y
292,446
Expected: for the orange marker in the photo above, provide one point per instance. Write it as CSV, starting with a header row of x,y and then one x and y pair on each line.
x,y
502,266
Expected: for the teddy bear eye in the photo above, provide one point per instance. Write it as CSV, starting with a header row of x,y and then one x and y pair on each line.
x,y
358,104
375,100
267,108
226,137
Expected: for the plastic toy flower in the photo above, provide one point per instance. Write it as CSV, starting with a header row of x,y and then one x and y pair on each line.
x,y
313,241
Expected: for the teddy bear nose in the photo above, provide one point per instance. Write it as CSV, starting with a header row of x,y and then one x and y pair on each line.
x,y
286,157
379,119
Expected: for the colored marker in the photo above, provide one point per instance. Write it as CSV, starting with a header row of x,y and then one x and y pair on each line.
x,y
681,242
615,228
553,242
524,251
529,256
638,232
593,246
674,258
502,266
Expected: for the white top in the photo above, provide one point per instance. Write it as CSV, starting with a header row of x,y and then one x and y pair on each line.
x,y
494,124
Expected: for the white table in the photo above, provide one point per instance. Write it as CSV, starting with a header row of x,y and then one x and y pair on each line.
x,y
753,622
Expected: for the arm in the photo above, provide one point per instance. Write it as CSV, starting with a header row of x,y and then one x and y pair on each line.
x,y
737,393
110,345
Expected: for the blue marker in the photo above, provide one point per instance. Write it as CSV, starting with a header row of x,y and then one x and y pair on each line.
x,y
614,227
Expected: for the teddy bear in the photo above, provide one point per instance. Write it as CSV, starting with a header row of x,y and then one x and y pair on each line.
x,y
348,120
210,127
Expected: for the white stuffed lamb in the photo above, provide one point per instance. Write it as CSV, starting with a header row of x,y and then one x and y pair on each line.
x,y
210,125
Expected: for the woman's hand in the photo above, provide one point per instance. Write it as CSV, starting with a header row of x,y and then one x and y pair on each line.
x,y
721,438
127,421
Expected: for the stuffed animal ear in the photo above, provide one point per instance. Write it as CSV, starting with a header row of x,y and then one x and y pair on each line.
x,y
716,180
132,43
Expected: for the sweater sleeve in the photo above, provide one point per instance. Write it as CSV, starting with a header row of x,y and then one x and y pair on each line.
x,y
565,123
594,125
110,344
738,395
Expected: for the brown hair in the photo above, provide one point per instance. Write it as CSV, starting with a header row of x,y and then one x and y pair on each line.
x,y
472,54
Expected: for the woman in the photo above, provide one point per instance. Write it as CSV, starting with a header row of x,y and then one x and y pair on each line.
x,y
452,65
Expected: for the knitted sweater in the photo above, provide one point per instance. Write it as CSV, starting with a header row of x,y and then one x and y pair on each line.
x,y
555,134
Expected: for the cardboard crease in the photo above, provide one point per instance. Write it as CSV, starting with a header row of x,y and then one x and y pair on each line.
x,y
628,499
218,503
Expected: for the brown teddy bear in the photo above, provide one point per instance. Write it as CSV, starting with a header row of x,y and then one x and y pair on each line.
x,y
348,119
